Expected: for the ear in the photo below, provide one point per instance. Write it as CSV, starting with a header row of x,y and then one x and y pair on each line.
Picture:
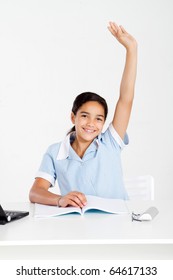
x,y
73,117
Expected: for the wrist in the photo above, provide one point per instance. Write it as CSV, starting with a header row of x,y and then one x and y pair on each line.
x,y
58,201
132,48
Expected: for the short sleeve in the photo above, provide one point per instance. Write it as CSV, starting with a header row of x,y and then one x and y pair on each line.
x,y
47,168
121,142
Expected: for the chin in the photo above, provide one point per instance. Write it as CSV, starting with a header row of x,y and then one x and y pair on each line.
x,y
90,137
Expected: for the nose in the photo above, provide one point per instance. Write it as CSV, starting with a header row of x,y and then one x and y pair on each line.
x,y
90,122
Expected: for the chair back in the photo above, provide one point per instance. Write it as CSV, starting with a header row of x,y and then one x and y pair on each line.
x,y
140,188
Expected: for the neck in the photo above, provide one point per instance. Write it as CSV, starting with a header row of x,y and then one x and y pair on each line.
x,y
80,147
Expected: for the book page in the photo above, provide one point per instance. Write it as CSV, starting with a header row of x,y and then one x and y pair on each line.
x,y
45,211
114,206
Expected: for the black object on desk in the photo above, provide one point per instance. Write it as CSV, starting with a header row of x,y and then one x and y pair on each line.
x,y
7,216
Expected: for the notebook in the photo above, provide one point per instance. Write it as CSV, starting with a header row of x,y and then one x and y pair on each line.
x,y
7,216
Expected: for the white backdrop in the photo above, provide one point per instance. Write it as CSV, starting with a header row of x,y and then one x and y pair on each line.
x,y
50,51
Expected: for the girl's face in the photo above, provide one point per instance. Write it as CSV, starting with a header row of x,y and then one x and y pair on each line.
x,y
88,121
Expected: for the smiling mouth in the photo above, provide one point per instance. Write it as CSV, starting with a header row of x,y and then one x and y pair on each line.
x,y
89,130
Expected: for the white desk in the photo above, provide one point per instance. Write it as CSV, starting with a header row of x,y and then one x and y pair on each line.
x,y
92,236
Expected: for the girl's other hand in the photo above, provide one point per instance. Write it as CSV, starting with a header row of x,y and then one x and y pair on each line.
x,y
76,199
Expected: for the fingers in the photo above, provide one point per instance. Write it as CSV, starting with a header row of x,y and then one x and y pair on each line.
x,y
75,199
122,29
114,28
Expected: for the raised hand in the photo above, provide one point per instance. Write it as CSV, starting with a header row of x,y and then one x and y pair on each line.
x,y
122,35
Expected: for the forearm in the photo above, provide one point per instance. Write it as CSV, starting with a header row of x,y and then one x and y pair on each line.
x,y
129,74
43,196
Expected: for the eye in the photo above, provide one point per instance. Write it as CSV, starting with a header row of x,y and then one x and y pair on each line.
x,y
83,115
99,119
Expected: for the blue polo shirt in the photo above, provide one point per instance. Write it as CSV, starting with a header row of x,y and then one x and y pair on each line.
x,y
98,173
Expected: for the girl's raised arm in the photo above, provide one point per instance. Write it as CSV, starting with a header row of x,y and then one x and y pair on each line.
x,y
124,104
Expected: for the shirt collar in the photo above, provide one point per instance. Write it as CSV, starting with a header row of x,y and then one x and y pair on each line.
x,y
65,145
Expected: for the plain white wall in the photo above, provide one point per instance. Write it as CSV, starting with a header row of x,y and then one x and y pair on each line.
x,y
50,51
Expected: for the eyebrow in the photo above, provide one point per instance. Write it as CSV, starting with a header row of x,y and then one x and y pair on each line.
x,y
83,112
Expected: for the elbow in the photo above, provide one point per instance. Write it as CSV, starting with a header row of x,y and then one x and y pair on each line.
x,y
32,196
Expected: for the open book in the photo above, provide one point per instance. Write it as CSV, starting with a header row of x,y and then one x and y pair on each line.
x,y
114,206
